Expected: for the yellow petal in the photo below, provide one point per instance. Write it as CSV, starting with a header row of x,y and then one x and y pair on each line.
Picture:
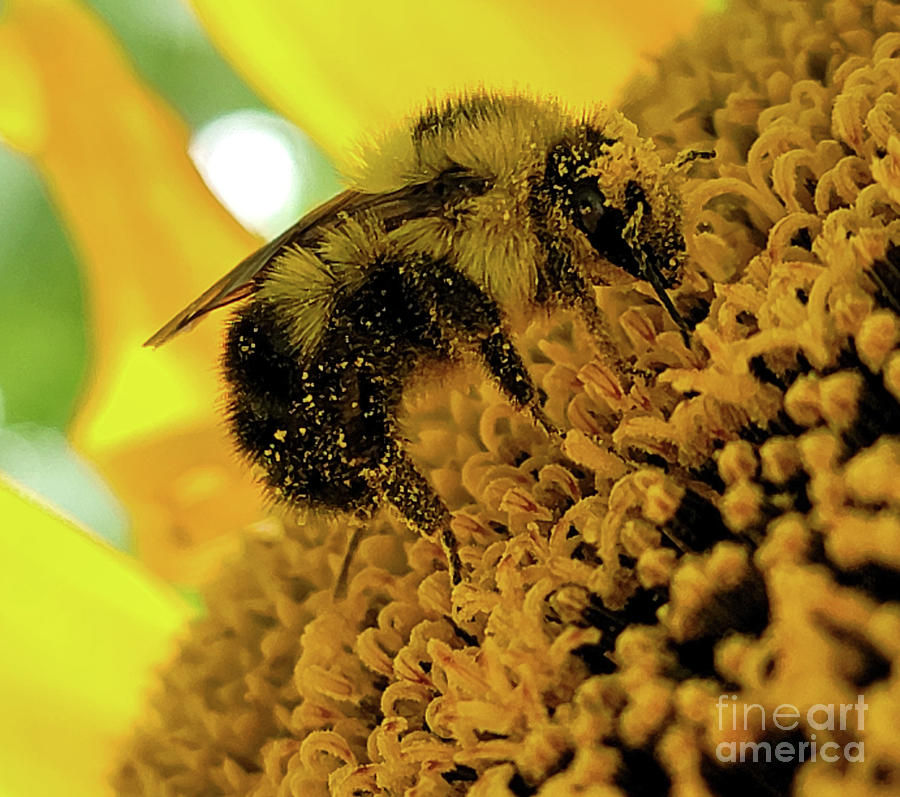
x,y
82,626
22,120
345,69
150,233
151,237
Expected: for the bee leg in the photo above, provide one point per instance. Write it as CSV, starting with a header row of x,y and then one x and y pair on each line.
x,y
578,293
598,325
474,319
508,370
400,483
357,528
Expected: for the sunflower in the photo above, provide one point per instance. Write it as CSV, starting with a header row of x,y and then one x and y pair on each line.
x,y
697,592
83,624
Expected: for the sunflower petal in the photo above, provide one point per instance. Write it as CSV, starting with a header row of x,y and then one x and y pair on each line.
x,y
344,69
148,229
81,628
151,237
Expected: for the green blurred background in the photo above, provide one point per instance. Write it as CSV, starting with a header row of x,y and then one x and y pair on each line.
x,y
44,340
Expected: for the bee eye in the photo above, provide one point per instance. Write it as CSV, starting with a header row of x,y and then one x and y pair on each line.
x,y
587,202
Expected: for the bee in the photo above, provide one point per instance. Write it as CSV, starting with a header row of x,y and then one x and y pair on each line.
x,y
482,209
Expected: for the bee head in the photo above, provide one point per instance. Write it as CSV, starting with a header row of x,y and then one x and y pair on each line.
x,y
611,188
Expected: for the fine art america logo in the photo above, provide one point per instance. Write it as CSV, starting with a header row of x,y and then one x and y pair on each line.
x,y
823,717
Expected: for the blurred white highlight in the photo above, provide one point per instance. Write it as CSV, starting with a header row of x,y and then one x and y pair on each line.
x,y
254,163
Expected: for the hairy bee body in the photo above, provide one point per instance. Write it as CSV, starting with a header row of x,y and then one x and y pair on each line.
x,y
479,210
324,428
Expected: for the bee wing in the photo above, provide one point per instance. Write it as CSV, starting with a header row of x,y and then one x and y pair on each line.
x,y
413,201
238,283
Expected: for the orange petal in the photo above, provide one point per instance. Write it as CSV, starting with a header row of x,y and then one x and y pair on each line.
x,y
150,233
345,69
151,238
82,628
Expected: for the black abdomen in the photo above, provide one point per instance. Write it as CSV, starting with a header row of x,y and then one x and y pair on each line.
x,y
316,427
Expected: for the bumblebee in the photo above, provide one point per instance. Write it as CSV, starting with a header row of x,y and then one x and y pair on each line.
x,y
481,209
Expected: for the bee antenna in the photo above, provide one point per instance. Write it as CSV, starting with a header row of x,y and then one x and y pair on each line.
x,y
653,276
